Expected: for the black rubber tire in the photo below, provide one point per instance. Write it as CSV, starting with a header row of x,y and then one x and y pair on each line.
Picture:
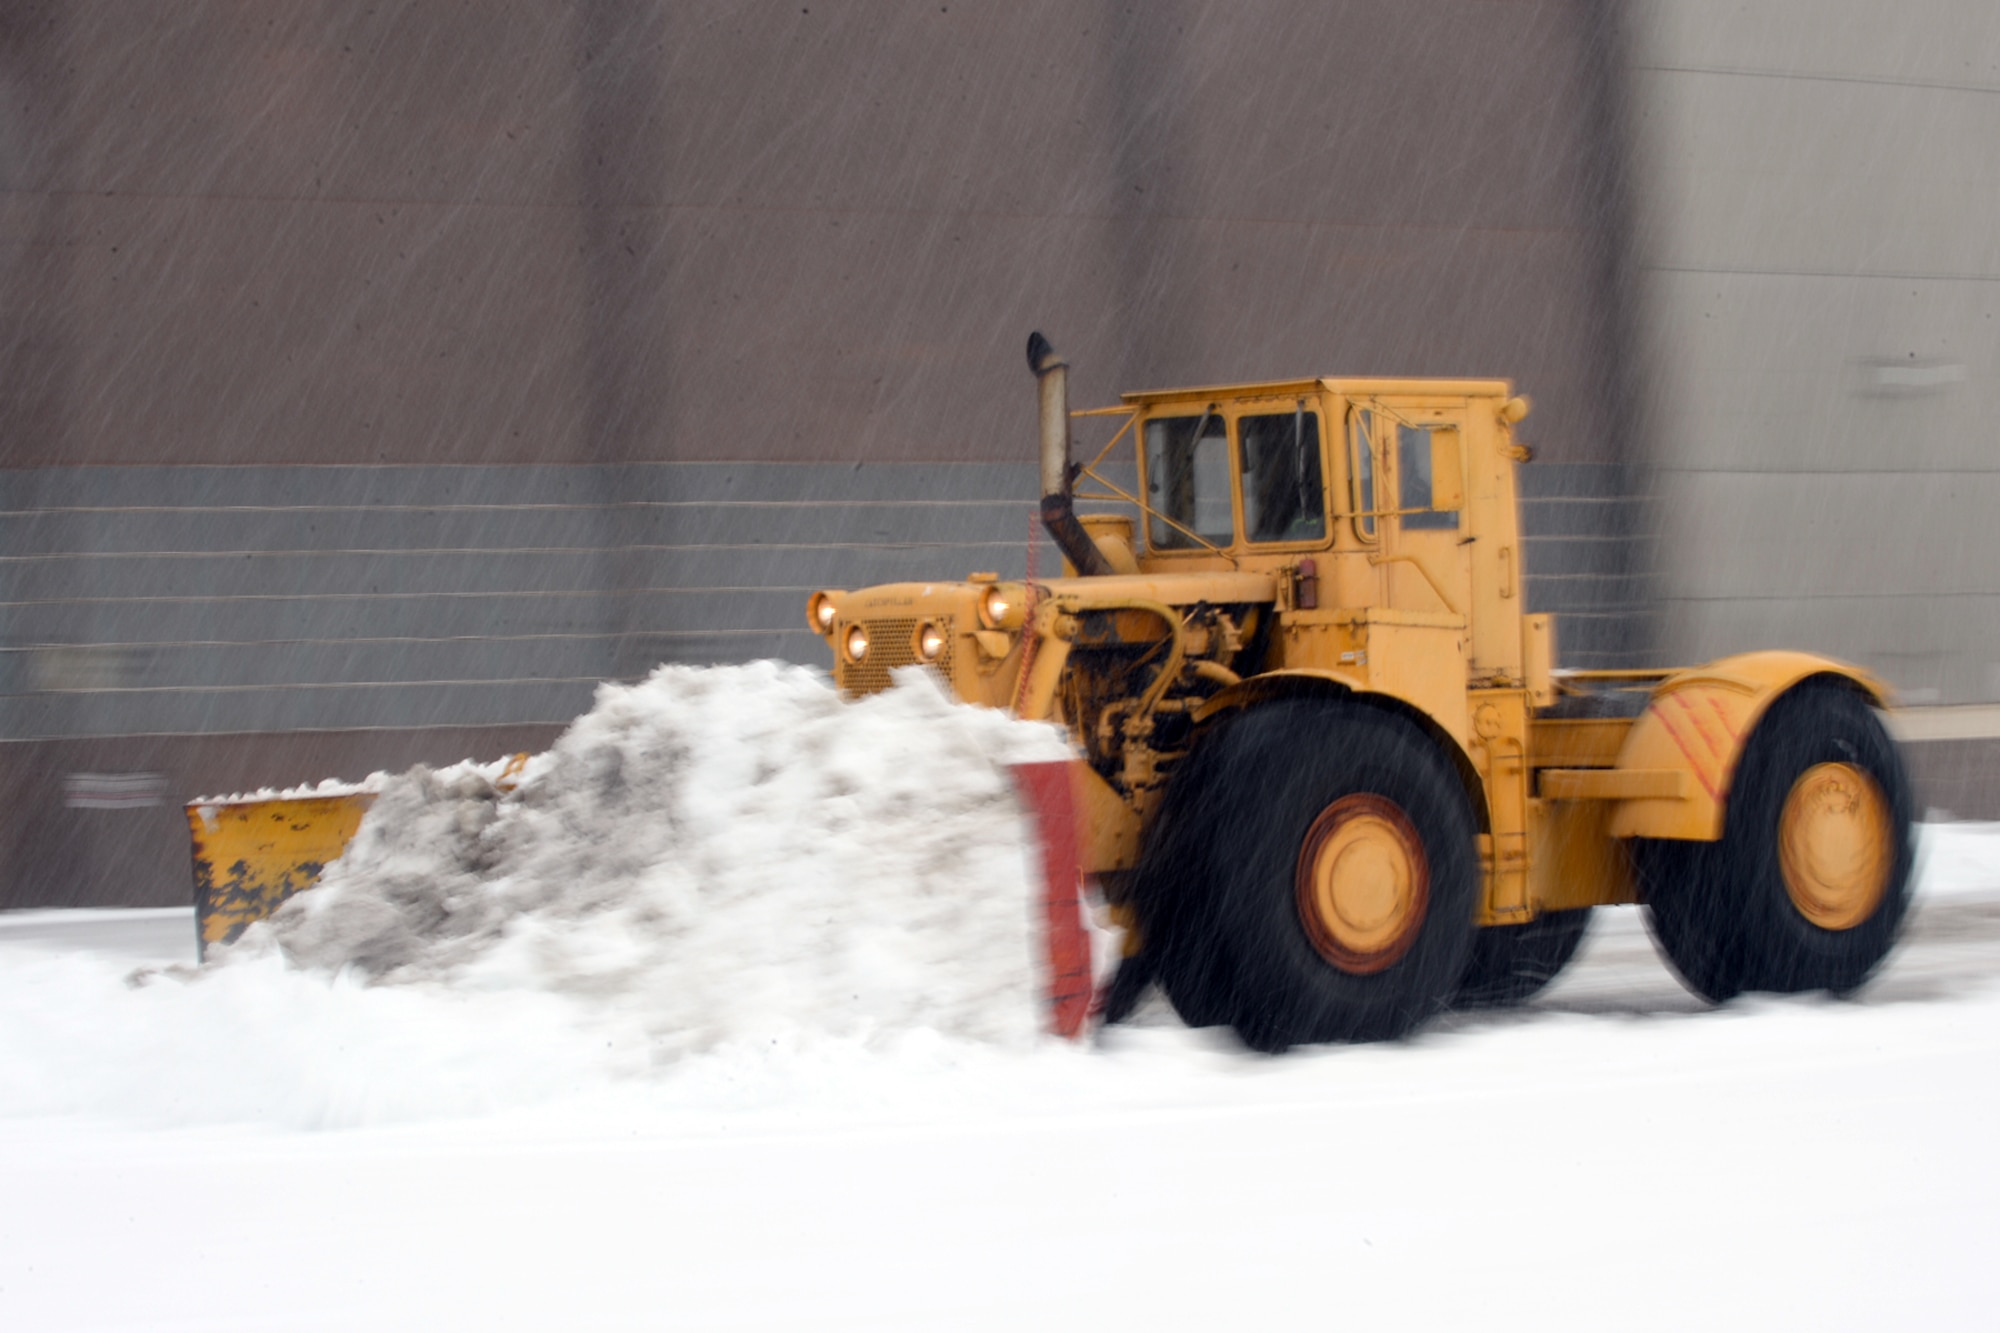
x,y
1216,889
1687,916
1511,963
1181,941
1720,910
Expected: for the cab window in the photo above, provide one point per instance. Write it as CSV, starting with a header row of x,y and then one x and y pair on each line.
x,y
1284,497
1187,481
1418,500
1364,474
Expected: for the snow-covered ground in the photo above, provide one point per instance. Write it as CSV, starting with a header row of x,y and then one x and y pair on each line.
x,y
513,1137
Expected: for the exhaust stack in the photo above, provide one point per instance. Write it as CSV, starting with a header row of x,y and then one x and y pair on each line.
x,y
1058,510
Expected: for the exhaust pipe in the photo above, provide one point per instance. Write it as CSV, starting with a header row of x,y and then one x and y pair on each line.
x,y
1058,510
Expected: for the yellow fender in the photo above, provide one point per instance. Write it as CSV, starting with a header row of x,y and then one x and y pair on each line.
x,y
1290,683
1696,725
1304,682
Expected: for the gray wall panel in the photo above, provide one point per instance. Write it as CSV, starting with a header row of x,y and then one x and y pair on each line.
x,y
1822,200
153,640
397,705
1789,534
160,532
282,615
1920,43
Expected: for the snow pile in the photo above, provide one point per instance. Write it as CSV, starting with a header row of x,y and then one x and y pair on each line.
x,y
305,791
712,855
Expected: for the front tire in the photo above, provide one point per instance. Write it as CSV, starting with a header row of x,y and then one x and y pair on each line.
x,y
1808,886
1314,877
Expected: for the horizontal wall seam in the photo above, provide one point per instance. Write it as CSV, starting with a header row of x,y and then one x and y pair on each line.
x,y
301,733
55,645
1858,471
494,682
609,506
662,210
321,551
1885,275
1928,594
204,599
1809,76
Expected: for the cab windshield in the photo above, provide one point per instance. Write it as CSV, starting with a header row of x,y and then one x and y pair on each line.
x,y
1187,482
1284,498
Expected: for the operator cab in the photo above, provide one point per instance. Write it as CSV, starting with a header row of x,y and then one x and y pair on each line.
x,y
1381,496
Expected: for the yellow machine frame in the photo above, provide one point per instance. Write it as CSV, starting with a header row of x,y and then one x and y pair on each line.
x,y
1426,621
1421,618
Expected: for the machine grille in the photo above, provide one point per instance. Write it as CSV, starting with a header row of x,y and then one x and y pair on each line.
x,y
891,644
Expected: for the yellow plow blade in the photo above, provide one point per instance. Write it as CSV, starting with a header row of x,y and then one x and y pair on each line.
x,y
249,856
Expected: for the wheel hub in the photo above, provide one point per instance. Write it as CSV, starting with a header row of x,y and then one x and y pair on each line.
x,y
1363,884
1835,845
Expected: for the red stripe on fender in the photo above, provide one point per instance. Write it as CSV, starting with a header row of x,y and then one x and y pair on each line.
x,y
1045,790
1680,741
1716,709
1715,747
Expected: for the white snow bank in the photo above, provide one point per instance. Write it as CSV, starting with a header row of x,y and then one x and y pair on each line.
x,y
304,791
731,860
1768,1156
556,992
1958,860
262,1042
712,855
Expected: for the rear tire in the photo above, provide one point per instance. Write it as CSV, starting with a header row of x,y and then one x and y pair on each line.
x,y
1688,915
1808,886
1258,843
1511,963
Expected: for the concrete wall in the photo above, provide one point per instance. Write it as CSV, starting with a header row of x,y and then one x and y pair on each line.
x,y
375,379
1821,230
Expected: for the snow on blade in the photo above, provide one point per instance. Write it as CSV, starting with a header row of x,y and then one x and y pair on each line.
x,y
712,855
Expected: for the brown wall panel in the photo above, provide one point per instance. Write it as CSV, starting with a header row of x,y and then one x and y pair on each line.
x,y
321,99
53,855
329,233
264,331
36,234
1955,779
307,233
445,242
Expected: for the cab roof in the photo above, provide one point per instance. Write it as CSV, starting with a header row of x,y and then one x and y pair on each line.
x,y
1330,384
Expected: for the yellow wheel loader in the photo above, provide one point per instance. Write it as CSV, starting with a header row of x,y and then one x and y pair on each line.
x,y
1329,775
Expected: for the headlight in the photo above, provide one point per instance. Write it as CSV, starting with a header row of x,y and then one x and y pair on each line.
x,y
995,606
820,612
930,642
857,644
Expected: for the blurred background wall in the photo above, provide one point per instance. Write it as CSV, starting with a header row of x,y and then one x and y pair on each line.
x,y
376,379
1819,230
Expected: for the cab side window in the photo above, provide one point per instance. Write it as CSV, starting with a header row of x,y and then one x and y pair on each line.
x,y
1363,473
1419,496
1284,494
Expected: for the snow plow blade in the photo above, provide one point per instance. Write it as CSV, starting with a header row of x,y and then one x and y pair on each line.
x,y
1046,790
249,856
